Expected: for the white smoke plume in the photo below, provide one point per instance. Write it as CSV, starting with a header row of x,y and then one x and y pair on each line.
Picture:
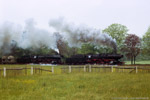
x,y
24,37
35,37
9,32
76,35
31,36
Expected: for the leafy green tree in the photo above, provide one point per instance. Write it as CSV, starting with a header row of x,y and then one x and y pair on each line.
x,y
146,43
104,49
43,50
118,32
87,48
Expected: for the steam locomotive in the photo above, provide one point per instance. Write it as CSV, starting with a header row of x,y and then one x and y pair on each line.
x,y
109,59
40,59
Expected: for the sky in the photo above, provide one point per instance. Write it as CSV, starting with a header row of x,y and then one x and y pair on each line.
x,y
134,14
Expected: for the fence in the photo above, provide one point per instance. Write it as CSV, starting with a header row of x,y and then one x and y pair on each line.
x,y
23,71
73,69
105,68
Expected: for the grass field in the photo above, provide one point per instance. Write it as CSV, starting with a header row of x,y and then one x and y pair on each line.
x,y
75,86
138,62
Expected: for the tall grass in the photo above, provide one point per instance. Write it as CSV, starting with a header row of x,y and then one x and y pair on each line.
x,y
75,86
138,62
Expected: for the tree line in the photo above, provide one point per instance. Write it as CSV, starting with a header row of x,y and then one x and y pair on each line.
x,y
130,45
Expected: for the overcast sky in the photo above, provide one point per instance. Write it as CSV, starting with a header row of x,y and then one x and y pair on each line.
x,y
135,14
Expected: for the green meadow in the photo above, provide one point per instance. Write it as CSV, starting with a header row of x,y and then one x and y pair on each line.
x,y
74,86
138,62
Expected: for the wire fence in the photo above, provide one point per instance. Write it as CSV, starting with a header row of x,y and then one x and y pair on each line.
x,y
105,68
9,72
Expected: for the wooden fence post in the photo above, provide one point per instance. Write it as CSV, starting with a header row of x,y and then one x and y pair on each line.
x,y
98,69
90,70
52,70
136,69
112,69
84,68
69,69
26,70
4,72
31,70
40,70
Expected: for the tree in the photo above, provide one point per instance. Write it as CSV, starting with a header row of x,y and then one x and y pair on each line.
x,y
132,47
118,32
87,48
105,49
62,45
146,43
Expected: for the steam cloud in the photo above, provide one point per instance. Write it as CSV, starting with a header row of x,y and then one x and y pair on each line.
x,y
76,35
9,32
31,36
35,37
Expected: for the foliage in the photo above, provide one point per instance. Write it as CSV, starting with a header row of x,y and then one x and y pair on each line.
x,y
132,47
146,43
87,48
62,46
17,52
104,49
118,32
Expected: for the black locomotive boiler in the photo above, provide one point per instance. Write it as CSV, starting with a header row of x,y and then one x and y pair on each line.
x,y
109,59
40,59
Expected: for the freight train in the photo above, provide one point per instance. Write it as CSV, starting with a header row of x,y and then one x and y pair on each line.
x,y
80,59
8,60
